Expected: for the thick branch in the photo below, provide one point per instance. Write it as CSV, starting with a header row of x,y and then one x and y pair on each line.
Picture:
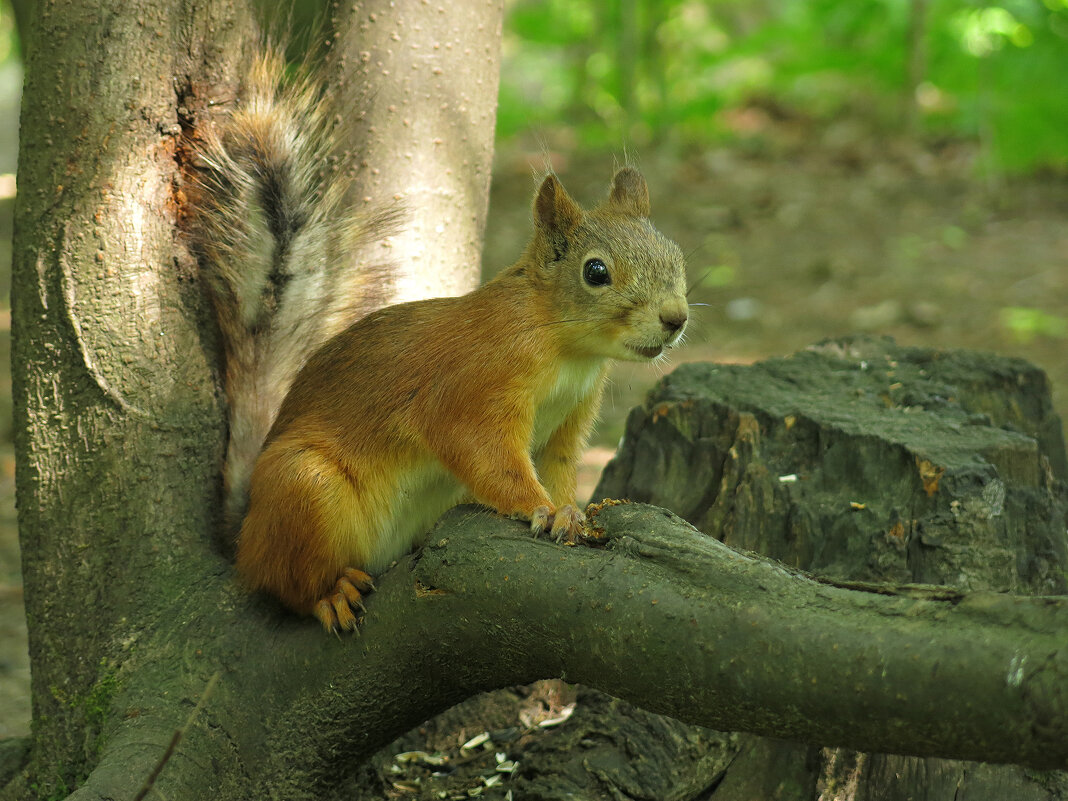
x,y
662,616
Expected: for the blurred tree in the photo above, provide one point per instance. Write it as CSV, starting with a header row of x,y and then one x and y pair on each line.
x,y
667,69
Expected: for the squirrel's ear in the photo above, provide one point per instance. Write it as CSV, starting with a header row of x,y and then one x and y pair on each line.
x,y
630,193
554,210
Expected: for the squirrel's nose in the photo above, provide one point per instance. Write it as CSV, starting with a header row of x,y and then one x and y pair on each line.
x,y
673,315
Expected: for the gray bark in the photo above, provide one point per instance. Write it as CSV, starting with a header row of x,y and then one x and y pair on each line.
x,y
662,616
419,83
119,422
118,427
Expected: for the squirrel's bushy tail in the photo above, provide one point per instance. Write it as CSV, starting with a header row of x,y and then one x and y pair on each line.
x,y
287,259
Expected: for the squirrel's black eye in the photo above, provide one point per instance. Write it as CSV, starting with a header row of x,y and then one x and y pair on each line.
x,y
596,273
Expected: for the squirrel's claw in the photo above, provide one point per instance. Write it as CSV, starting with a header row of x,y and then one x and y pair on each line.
x,y
568,523
541,520
334,610
358,579
563,523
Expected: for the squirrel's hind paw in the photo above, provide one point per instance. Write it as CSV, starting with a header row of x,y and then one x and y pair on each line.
x,y
335,610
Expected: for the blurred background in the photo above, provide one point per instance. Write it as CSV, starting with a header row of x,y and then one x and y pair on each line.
x,y
891,167
686,74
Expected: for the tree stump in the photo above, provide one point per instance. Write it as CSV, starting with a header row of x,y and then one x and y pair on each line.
x,y
862,461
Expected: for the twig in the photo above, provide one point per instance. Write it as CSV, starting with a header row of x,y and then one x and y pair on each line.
x,y
151,780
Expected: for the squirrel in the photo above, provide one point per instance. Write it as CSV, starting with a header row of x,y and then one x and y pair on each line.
x,y
352,430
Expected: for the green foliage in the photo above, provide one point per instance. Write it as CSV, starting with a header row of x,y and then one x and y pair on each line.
x,y
698,71
1027,324
1002,68
9,40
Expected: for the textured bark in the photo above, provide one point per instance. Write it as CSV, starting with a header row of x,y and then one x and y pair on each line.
x,y
662,616
420,82
118,428
119,425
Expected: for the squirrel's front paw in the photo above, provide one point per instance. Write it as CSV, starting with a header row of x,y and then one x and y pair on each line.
x,y
568,523
541,520
334,610
565,523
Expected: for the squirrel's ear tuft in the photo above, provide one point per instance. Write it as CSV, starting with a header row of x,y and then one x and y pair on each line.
x,y
554,210
630,193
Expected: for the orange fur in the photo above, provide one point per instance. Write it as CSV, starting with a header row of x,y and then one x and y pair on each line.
x,y
490,395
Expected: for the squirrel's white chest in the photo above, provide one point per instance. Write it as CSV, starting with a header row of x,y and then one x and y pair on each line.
x,y
574,382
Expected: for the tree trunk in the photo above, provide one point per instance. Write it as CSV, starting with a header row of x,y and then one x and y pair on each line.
x,y
118,418
118,425
421,82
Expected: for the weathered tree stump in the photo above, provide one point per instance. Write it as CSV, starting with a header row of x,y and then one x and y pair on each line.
x,y
862,461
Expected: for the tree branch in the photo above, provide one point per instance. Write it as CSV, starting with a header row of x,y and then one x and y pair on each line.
x,y
662,616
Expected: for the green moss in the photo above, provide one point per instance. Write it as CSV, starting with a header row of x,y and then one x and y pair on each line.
x,y
89,713
54,791
96,704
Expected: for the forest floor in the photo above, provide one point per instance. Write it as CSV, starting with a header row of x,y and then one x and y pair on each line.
x,y
799,235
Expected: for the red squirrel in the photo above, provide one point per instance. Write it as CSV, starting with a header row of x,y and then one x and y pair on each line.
x,y
349,439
